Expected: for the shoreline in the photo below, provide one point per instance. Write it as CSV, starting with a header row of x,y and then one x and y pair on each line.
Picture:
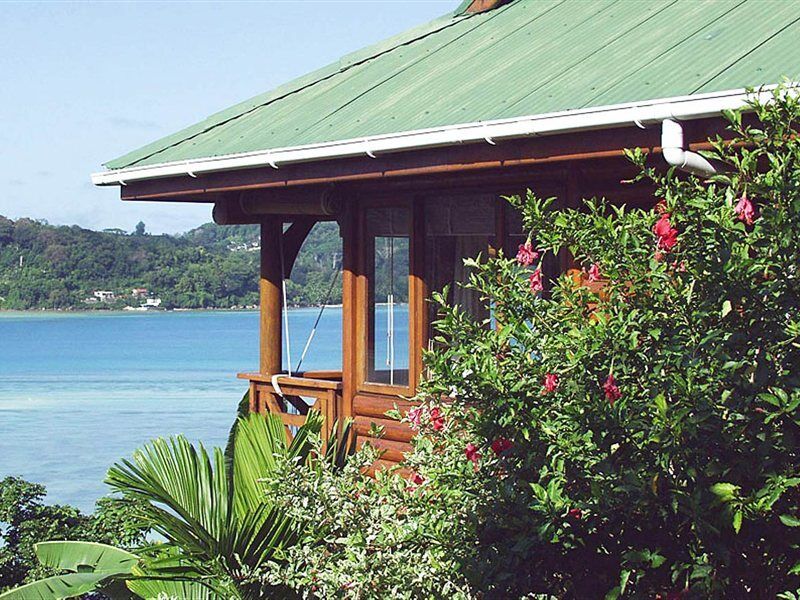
x,y
120,311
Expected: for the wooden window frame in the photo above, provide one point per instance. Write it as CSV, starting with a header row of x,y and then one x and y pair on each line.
x,y
416,297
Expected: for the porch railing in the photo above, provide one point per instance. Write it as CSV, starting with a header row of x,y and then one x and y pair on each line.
x,y
317,390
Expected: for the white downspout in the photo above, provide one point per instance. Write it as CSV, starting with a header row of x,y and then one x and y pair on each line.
x,y
675,155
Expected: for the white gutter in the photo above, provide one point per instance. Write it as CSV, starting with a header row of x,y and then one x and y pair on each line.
x,y
650,112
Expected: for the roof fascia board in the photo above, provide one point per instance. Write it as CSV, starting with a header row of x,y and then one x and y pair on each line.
x,y
641,114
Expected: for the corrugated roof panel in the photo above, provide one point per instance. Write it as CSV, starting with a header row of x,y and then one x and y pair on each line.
x,y
527,57
613,62
687,67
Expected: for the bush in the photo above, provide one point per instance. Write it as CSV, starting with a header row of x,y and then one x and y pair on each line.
x,y
637,428
631,431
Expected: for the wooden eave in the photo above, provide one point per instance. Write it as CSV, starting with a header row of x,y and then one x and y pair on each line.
x,y
506,159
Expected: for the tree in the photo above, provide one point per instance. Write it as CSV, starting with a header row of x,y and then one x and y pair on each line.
x,y
26,521
139,229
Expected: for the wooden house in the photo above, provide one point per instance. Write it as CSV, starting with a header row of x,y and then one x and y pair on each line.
x,y
410,144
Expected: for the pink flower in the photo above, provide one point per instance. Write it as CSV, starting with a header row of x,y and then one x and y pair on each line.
x,y
536,281
744,210
414,416
611,390
594,272
472,453
667,235
500,445
575,513
526,255
550,383
437,419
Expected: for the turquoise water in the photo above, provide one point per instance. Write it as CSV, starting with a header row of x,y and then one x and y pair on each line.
x,y
80,391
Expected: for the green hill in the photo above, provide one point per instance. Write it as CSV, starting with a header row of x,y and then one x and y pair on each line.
x,y
44,266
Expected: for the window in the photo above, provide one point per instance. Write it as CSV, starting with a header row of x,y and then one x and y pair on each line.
x,y
387,270
455,229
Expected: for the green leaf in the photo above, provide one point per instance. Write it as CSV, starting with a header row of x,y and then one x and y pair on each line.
x,y
85,557
661,404
60,586
725,491
737,521
790,521
170,588
726,308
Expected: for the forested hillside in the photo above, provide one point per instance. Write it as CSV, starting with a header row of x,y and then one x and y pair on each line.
x,y
44,266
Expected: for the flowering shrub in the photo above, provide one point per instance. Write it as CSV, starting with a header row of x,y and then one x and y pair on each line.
x,y
642,442
379,538
632,432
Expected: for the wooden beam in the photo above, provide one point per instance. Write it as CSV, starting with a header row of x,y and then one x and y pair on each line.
x,y
293,239
270,296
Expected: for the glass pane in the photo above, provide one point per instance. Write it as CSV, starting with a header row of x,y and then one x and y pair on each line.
x,y
388,341
456,229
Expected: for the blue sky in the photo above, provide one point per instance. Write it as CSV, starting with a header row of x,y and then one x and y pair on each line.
x,y
81,83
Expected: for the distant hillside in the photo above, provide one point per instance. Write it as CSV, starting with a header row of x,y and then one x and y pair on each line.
x,y
43,266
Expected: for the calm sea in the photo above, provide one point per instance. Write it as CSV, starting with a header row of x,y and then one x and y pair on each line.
x,y
80,391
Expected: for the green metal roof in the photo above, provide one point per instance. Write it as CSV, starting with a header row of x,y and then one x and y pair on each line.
x,y
527,57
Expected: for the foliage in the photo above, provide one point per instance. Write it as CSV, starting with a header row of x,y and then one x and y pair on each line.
x,y
42,266
26,521
365,537
218,525
638,438
87,564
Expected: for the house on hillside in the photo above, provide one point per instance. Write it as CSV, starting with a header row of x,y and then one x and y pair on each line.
x,y
409,145
104,295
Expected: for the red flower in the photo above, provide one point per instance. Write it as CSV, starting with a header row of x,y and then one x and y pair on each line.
x,y
437,419
417,479
744,210
667,235
414,416
500,445
550,383
611,390
526,255
594,272
661,206
575,513
472,453
536,281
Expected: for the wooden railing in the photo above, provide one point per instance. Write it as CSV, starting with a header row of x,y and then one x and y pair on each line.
x,y
317,390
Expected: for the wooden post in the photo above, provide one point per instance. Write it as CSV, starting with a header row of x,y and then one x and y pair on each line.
x,y
350,316
270,296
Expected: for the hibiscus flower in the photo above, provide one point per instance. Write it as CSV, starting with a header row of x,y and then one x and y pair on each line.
x,y
536,281
667,235
745,210
526,255
472,453
594,273
550,383
437,419
611,390
500,445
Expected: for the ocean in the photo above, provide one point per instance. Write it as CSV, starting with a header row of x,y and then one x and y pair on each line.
x,y
79,391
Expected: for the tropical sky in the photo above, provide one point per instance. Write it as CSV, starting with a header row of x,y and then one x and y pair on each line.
x,y
82,83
